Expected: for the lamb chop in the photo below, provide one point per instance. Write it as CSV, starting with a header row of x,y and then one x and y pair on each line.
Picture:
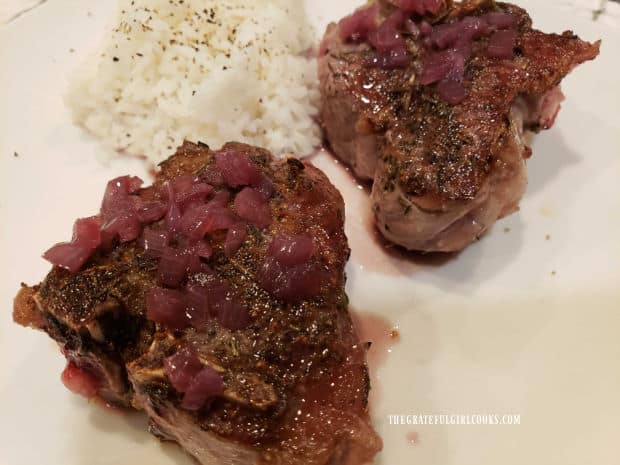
x,y
430,99
214,300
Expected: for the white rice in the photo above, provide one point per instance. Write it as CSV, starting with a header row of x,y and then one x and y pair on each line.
x,y
202,70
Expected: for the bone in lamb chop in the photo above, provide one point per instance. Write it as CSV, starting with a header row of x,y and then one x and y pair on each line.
x,y
214,300
431,99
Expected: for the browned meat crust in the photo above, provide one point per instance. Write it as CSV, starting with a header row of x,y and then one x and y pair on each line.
x,y
424,152
301,356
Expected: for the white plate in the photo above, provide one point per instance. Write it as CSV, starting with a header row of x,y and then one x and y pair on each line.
x,y
525,321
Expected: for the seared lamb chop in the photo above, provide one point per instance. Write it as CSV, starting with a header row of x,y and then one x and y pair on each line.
x,y
430,99
214,300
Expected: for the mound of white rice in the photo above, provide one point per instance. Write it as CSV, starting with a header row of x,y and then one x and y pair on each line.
x,y
202,70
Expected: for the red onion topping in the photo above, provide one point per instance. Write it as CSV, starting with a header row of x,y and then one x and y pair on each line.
x,y
265,186
179,242
154,242
291,283
134,184
224,303
222,198
119,209
357,26
389,42
501,20
421,7
203,249
68,255
189,376
288,272
212,175
234,238
166,307
238,170
188,188
197,306
80,381
73,255
440,65
173,266
149,212
425,28
207,383
451,91
252,207
292,249
202,219
502,44
181,368
173,215
86,231
471,27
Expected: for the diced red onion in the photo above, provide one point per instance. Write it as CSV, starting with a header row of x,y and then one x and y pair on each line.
x,y
181,368
224,303
397,58
212,175
470,27
87,232
117,199
193,222
425,28
439,65
154,242
445,35
80,381
387,37
173,215
197,306
119,209
133,184
173,266
222,198
500,20
234,238
68,255
421,7
166,307
207,383
194,265
292,250
502,44
252,207
73,255
233,315
202,249
288,272
149,212
451,91
202,219
265,186
291,283
358,25
188,188
127,228
411,27
237,169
